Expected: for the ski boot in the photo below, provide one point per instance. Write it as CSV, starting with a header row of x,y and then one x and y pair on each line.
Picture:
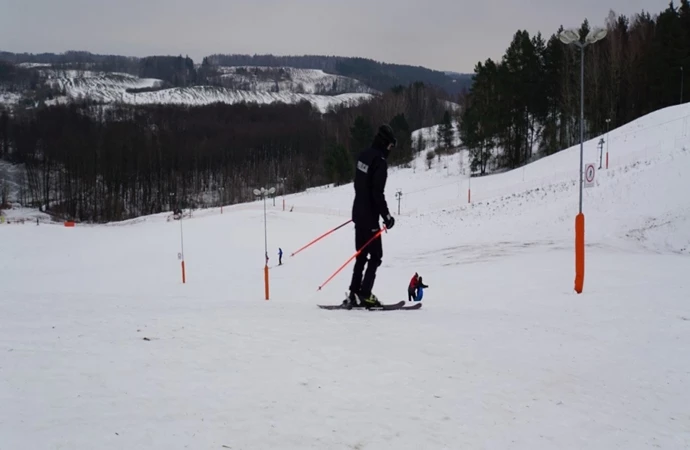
x,y
350,301
369,301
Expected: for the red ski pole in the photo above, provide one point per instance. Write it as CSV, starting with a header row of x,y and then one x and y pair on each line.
x,y
352,257
321,237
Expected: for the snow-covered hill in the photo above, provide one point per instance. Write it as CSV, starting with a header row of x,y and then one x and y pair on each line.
x,y
648,154
429,137
9,98
299,85
101,342
113,88
282,79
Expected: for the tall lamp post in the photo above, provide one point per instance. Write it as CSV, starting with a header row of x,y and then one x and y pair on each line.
x,y
263,193
398,195
282,189
573,37
601,152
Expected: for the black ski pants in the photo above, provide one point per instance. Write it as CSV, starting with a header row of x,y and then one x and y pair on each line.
x,y
371,256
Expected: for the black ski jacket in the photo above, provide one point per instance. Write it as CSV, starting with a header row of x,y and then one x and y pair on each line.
x,y
371,172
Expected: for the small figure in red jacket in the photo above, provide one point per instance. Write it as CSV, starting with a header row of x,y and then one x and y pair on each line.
x,y
413,288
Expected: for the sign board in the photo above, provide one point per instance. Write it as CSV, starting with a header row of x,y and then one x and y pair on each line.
x,y
590,170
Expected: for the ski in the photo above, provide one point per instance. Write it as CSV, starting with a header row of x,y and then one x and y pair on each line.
x,y
417,305
389,307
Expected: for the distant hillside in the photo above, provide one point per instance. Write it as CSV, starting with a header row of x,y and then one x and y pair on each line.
x,y
29,80
75,60
66,86
380,76
282,79
175,70
323,81
181,71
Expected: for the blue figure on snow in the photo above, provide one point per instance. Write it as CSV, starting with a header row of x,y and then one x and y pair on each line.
x,y
280,256
420,293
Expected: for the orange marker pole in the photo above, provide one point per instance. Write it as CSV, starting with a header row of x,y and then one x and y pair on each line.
x,y
607,159
266,280
579,252
469,188
184,277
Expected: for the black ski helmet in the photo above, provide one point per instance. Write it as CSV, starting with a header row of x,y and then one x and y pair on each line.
x,y
386,135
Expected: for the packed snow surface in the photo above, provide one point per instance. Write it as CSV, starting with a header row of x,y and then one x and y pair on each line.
x,y
103,346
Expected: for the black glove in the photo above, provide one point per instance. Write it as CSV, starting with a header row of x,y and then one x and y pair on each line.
x,y
389,221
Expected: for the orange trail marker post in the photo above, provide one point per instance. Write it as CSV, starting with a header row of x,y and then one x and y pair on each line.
x,y
263,193
579,252
469,188
181,255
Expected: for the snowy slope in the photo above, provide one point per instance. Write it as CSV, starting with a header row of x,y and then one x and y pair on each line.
x,y
101,345
308,81
9,98
29,65
648,154
100,86
430,139
112,87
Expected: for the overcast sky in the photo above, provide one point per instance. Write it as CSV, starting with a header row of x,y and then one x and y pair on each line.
x,y
439,34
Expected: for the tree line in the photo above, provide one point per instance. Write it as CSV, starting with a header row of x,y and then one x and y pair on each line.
x,y
378,75
527,104
91,162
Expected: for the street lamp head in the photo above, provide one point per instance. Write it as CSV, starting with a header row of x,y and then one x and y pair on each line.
x,y
569,36
257,192
272,191
596,34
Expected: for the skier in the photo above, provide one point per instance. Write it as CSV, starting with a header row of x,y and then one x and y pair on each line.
x,y
370,203
280,256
